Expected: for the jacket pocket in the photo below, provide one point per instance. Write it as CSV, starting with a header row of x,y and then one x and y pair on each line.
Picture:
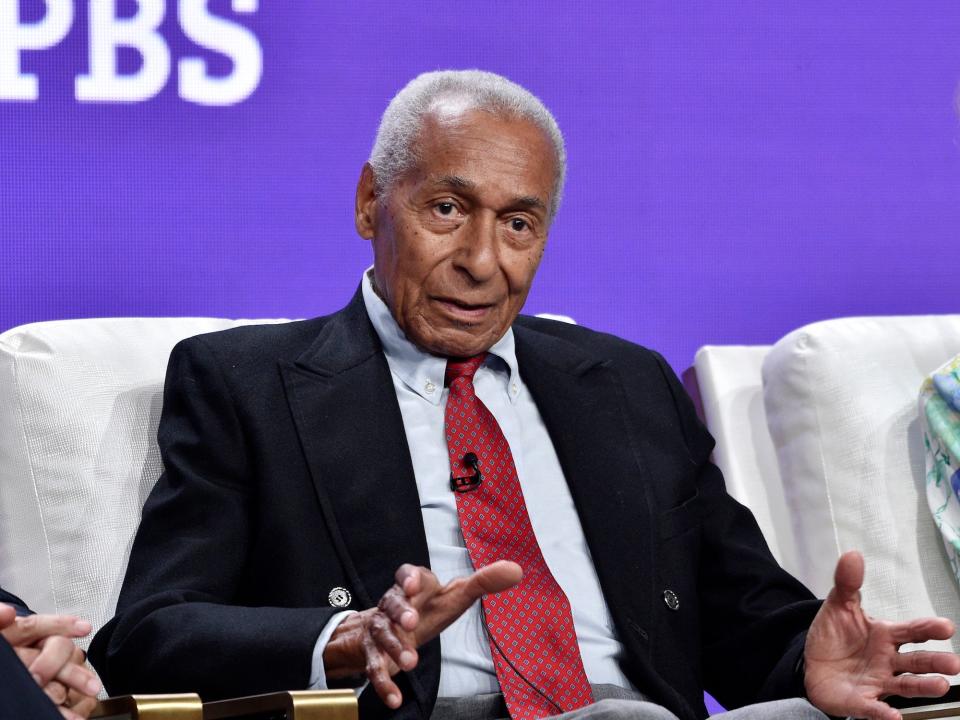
x,y
679,519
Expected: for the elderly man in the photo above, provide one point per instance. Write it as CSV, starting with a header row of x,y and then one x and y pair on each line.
x,y
584,557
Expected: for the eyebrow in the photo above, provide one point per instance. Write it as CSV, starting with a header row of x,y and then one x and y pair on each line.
x,y
531,201
461,183
455,181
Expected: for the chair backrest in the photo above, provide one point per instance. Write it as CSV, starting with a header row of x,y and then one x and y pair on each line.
x,y
79,405
840,412
731,397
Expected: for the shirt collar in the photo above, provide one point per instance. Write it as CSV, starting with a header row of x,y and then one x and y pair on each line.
x,y
420,371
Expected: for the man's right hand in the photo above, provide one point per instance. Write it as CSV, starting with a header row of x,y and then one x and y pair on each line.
x,y
381,641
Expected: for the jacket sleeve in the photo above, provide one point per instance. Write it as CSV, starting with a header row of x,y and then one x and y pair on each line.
x,y
754,615
179,627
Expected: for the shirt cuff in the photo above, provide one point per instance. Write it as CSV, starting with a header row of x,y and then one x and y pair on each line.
x,y
318,677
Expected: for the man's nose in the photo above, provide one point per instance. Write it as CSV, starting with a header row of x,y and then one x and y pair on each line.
x,y
478,254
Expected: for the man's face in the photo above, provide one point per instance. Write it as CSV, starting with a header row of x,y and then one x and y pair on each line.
x,y
458,239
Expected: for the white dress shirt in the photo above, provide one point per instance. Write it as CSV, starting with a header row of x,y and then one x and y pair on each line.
x,y
466,666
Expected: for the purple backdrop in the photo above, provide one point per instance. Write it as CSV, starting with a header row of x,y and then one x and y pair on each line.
x,y
736,169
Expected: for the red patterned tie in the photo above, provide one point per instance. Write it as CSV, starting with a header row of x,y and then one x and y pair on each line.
x,y
532,638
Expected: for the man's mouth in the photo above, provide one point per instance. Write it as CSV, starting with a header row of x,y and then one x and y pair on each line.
x,y
464,311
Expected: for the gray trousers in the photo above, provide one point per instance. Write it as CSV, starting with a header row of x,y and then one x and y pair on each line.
x,y
616,703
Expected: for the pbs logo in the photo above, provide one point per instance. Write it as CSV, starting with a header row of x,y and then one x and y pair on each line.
x,y
109,31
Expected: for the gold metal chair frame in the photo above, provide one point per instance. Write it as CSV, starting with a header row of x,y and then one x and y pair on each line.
x,y
292,705
150,707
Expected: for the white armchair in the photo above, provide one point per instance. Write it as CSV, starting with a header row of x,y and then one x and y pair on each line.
x,y
79,405
80,402
819,435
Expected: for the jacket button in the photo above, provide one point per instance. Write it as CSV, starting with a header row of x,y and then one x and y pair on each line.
x,y
339,597
671,599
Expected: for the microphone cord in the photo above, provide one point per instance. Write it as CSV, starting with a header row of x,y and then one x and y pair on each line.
x,y
513,667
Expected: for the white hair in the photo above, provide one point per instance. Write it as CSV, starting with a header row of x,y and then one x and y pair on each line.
x,y
394,151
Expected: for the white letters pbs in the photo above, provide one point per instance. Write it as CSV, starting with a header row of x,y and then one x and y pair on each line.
x,y
141,33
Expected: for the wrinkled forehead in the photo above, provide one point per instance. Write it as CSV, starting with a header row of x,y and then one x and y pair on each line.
x,y
453,141
455,117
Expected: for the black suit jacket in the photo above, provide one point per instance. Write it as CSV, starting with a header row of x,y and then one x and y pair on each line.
x,y
287,474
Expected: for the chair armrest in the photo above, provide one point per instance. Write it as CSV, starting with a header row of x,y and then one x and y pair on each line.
x,y
947,706
291,705
945,711
149,707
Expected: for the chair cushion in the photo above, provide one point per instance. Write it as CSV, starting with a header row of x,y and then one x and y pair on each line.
x,y
841,403
79,406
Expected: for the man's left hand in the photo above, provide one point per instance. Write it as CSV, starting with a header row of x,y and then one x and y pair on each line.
x,y
853,661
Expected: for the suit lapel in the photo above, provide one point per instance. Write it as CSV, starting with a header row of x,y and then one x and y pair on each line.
x,y
581,401
348,419
345,409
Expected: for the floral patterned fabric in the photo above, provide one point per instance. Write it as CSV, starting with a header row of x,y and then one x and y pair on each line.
x,y
940,415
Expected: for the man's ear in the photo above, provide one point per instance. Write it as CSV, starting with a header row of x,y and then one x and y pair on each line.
x,y
365,211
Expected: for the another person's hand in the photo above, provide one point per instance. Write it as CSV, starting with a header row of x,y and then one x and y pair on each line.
x,y
381,641
44,645
853,661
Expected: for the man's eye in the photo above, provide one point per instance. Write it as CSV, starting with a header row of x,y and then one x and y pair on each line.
x,y
446,208
519,224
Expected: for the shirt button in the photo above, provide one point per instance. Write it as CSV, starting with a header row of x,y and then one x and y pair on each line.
x,y
514,389
430,388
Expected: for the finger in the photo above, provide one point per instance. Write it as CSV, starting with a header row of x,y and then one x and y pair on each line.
x,y
82,705
493,578
459,594
925,661
28,630
69,714
403,653
877,710
409,578
27,654
396,605
7,615
921,630
54,654
79,678
56,692
847,578
379,675
59,658
917,685
79,655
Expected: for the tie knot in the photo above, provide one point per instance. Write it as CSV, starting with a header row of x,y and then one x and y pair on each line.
x,y
463,368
